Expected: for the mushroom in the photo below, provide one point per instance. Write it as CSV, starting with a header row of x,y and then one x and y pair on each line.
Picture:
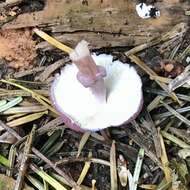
x,y
96,92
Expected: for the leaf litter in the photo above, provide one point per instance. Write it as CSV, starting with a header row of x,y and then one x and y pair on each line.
x,y
154,148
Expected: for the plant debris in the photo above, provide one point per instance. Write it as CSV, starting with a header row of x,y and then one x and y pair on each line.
x,y
151,152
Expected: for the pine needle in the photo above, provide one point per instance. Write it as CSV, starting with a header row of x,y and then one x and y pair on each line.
x,y
53,41
4,161
165,162
26,119
113,167
84,170
138,167
175,140
41,99
48,178
10,104
83,141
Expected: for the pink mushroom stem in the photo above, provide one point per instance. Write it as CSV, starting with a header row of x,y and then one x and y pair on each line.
x,y
89,75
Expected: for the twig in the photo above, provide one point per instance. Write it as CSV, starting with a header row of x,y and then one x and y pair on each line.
x,y
83,159
142,47
10,130
70,181
28,72
24,165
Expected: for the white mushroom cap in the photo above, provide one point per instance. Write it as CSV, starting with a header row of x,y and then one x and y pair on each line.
x,y
80,107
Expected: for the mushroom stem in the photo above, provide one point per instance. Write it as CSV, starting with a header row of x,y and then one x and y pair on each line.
x,y
90,75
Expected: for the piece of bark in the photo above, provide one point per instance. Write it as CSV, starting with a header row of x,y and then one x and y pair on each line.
x,y
110,23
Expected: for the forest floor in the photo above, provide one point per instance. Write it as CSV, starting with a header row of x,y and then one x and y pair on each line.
x,y
37,149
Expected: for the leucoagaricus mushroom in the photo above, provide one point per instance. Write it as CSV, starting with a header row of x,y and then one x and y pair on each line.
x,y
96,92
